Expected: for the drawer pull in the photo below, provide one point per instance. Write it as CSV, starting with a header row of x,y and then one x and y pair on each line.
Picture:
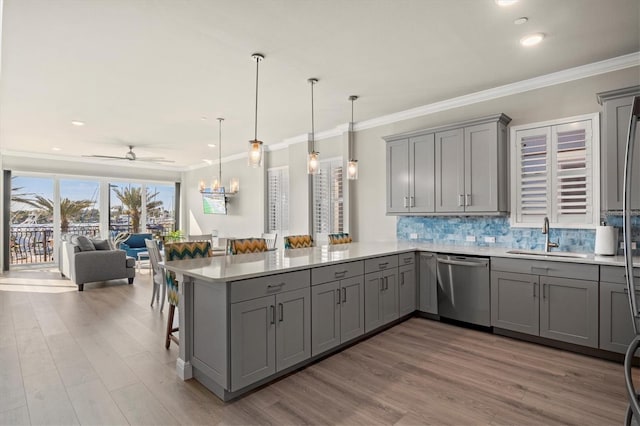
x,y
281,306
344,295
383,265
340,274
275,285
407,260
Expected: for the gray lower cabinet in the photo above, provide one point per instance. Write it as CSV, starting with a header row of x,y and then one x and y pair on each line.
x,y
551,299
380,298
428,283
406,289
337,313
616,323
515,302
569,310
269,334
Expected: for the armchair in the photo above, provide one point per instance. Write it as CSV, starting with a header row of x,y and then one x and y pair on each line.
x,y
135,244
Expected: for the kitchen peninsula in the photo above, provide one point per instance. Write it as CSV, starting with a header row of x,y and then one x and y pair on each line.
x,y
248,319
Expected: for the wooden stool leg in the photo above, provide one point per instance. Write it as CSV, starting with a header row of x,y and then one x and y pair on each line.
x,y
172,309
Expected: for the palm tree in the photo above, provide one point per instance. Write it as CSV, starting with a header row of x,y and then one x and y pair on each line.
x,y
17,196
68,208
131,198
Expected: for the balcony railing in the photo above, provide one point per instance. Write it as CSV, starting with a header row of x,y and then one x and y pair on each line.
x,y
34,243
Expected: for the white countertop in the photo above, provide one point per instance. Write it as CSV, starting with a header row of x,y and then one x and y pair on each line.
x,y
243,266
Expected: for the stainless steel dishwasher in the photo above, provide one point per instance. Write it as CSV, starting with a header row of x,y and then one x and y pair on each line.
x,y
464,289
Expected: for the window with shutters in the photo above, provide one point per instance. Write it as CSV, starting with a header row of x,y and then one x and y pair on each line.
x,y
556,173
327,198
278,199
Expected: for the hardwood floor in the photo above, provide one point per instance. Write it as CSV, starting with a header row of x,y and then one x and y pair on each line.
x,y
98,357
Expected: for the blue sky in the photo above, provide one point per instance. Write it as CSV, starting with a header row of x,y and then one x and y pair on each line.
x,y
78,189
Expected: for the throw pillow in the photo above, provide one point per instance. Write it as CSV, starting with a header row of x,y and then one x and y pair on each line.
x,y
101,244
85,243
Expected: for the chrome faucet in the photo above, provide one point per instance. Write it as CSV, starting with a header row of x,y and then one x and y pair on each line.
x,y
545,231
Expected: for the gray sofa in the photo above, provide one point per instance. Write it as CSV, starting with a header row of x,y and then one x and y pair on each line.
x,y
84,261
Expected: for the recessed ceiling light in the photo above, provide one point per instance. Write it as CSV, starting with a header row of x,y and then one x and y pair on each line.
x,y
531,39
521,21
77,123
211,145
506,2
203,118
55,148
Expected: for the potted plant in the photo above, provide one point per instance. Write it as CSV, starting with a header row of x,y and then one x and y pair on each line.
x,y
174,236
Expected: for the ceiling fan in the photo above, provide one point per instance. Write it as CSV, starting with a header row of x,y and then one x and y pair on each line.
x,y
131,156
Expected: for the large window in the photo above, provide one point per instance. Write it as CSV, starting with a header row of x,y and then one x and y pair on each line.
x,y
278,200
328,204
140,207
556,173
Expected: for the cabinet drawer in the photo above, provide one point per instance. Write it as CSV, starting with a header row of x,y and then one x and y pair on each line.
x,y
326,274
264,286
380,263
617,274
579,271
407,258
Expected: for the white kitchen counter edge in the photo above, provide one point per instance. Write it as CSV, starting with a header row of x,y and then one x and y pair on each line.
x,y
240,267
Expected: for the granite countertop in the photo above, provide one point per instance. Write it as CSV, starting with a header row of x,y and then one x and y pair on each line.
x,y
238,267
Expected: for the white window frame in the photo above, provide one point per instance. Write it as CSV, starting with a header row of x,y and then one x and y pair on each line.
x,y
329,163
593,149
283,200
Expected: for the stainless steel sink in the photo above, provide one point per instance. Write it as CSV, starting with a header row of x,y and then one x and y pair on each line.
x,y
550,253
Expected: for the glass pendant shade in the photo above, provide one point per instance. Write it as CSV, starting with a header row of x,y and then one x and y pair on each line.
x,y
202,187
215,186
255,153
313,163
352,169
234,185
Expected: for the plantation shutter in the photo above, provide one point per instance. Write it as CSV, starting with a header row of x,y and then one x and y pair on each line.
x,y
573,183
278,199
533,177
328,207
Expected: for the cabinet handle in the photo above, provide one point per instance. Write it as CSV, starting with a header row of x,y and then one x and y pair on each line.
x,y
467,201
273,314
534,288
344,295
340,274
338,294
460,200
281,306
401,278
382,265
406,202
407,260
274,286
386,283
411,202
381,284
544,292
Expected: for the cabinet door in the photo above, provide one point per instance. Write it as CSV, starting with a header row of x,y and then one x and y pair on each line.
x,y
569,310
293,328
373,285
389,297
352,308
616,323
252,341
481,168
406,289
325,316
398,176
615,130
428,288
449,171
515,302
422,174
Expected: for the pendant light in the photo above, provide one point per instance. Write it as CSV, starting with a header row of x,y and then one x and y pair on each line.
x,y
313,161
255,146
352,165
234,184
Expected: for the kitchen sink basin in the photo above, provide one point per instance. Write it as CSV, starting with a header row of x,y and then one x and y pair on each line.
x,y
550,254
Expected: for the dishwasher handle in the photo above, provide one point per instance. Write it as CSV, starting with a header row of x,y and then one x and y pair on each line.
x,y
462,263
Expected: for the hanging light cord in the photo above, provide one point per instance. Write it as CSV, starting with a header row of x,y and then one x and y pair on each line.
x,y
313,139
220,151
255,136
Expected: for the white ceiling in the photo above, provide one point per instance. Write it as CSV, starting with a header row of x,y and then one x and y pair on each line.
x,y
145,72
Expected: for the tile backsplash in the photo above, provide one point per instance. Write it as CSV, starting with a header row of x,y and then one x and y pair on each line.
x,y
454,230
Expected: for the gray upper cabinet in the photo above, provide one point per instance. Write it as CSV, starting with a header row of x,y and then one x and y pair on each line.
x,y
410,174
428,279
458,168
616,111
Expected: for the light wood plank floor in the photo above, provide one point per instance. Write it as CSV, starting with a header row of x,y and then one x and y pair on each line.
x,y
97,357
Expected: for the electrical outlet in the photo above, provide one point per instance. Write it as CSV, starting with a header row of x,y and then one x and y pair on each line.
x,y
633,245
489,239
413,236
471,238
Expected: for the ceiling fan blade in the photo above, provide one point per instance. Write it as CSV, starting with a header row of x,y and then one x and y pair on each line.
x,y
111,157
